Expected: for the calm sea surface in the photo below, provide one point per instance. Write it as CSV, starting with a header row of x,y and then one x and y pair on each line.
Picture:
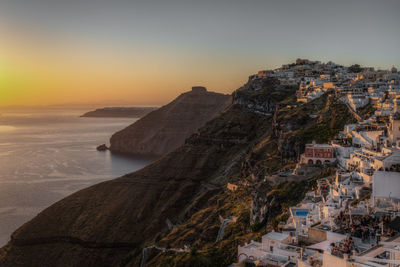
x,y
46,155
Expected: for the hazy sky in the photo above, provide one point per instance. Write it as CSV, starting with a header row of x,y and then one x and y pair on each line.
x,y
147,52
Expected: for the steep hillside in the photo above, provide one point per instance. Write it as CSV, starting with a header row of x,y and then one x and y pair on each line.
x,y
165,129
177,200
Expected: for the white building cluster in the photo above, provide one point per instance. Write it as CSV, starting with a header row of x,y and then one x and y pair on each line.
x,y
353,217
357,87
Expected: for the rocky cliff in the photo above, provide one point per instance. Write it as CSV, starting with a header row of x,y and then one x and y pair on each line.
x,y
178,200
165,129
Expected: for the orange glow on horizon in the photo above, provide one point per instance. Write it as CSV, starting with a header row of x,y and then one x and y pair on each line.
x,y
37,72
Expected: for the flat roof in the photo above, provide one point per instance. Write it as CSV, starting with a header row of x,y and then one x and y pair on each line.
x,y
319,145
253,244
276,236
395,158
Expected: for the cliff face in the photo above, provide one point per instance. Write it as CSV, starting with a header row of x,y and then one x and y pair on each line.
x,y
110,223
104,225
165,129
260,95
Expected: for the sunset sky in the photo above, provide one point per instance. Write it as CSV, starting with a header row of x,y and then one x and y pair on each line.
x,y
147,52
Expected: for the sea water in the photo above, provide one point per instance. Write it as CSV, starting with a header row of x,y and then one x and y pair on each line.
x,y
47,154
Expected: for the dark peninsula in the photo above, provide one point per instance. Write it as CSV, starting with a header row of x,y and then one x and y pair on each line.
x,y
120,112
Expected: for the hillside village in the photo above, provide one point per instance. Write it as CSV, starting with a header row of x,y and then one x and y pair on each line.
x,y
299,167
351,218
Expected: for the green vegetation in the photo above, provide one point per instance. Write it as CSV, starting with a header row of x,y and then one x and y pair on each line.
x,y
204,251
356,68
263,151
264,156
332,119
366,111
276,220
256,227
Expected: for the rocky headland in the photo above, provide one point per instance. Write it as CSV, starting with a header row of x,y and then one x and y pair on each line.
x,y
165,129
119,112
179,201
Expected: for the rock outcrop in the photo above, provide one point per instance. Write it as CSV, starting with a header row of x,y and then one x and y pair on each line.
x,y
257,95
165,129
260,205
102,147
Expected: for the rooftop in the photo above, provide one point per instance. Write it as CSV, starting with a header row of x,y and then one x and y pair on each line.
x,y
276,236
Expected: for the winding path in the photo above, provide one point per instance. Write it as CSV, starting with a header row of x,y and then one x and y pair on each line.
x,y
145,252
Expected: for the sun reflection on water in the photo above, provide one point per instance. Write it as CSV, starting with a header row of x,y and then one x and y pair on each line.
x,y
6,128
